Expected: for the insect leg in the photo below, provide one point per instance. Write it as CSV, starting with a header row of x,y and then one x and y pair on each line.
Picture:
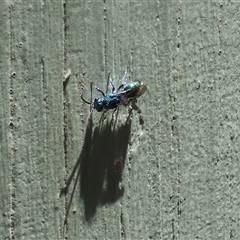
x,y
119,88
112,84
112,120
102,115
98,89
128,102
124,80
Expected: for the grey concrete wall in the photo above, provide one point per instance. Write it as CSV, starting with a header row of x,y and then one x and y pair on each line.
x,y
171,172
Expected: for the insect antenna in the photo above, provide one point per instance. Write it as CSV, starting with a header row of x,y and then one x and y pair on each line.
x,y
90,114
85,100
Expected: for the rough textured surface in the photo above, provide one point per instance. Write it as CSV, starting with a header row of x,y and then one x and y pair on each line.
x,y
180,151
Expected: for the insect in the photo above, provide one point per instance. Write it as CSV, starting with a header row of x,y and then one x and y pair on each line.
x,y
123,96
133,90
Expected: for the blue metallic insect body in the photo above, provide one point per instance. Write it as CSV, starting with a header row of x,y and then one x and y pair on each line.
x,y
123,96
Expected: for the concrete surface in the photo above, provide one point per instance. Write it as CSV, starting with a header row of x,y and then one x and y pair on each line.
x,y
171,172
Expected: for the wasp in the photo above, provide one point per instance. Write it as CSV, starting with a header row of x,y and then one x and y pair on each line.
x,y
124,94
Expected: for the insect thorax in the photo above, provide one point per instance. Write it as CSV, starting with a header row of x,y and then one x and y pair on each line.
x,y
111,101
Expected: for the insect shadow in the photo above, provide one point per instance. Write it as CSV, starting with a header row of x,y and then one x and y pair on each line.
x,y
99,166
